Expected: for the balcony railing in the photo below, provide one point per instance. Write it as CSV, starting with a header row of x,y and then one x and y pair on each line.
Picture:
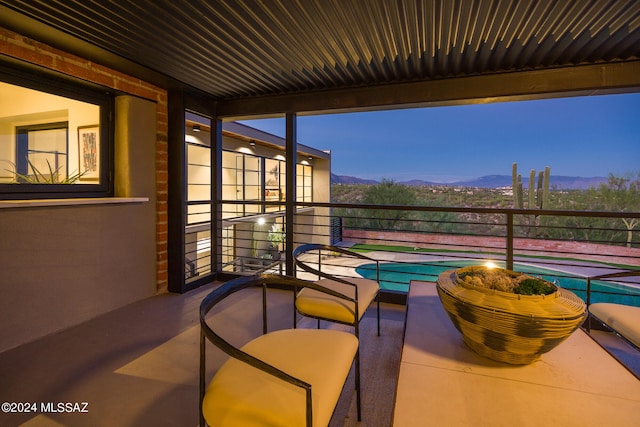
x,y
418,242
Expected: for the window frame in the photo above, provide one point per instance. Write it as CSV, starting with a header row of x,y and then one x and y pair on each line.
x,y
64,86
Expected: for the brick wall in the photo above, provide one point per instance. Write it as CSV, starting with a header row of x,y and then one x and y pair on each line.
x,y
555,248
23,48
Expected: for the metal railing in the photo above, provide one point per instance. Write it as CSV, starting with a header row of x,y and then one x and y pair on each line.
x,y
564,246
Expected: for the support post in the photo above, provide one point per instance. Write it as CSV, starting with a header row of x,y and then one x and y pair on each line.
x,y
290,204
216,195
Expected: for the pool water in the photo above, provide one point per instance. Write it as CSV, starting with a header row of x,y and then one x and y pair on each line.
x,y
396,277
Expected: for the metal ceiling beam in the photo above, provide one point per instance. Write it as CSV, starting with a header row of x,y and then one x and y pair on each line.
x,y
606,78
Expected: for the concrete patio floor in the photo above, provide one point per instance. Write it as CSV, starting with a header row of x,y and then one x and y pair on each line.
x,y
139,366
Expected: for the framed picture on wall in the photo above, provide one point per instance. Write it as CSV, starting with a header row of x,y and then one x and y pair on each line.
x,y
89,152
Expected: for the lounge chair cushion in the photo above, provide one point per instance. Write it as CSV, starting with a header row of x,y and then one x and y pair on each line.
x,y
317,304
624,319
241,395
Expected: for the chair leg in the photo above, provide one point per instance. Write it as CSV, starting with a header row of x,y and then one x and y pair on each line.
x,y
378,308
318,323
357,375
203,368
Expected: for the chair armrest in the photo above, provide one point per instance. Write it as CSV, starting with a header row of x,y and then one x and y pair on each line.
x,y
311,247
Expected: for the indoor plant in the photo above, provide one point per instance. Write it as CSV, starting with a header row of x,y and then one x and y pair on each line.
x,y
276,237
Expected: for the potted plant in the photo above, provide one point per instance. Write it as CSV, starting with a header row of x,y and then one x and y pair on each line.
x,y
276,237
51,176
508,316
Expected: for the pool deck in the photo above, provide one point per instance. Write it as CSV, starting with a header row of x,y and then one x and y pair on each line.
x,y
568,266
441,380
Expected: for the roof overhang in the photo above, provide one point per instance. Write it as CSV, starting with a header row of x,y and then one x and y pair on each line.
x,y
582,80
269,58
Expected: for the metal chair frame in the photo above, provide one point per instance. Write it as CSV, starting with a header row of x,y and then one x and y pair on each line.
x,y
591,316
307,248
207,333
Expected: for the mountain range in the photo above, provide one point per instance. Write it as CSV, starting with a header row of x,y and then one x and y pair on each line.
x,y
487,181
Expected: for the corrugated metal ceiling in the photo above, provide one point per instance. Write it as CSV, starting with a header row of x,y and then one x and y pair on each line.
x,y
235,49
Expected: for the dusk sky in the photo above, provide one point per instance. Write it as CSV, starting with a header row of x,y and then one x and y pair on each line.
x,y
580,136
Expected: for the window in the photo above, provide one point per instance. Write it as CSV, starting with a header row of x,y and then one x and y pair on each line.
x,y
197,237
54,138
304,184
241,180
198,183
275,183
228,247
41,153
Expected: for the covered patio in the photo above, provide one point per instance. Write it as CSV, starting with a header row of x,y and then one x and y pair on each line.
x,y
119,331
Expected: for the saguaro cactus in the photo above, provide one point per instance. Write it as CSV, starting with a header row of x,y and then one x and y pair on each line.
x,y
516,185
545,188
537,197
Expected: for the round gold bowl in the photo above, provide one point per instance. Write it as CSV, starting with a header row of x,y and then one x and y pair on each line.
x,y
498,323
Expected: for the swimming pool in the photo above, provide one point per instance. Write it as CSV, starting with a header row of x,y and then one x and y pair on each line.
x,y
396,277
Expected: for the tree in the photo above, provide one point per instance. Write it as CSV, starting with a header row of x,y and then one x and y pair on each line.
x,y
388,192
618,194
622,193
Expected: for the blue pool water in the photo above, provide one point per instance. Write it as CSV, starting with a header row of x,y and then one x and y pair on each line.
x,y
396,276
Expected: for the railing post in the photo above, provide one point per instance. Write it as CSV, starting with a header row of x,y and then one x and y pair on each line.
x,y
290,203
509,241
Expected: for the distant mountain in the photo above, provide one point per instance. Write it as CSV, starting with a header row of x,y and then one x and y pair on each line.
x,y
419,182
487,181
558,181
343,179
577,182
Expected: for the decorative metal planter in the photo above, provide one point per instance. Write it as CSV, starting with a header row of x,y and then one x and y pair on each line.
x,y
505,326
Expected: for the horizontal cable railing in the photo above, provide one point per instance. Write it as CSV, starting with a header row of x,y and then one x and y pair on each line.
x,y
419,242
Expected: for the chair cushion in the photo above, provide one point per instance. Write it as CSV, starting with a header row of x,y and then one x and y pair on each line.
x,y
241,395
624,319
317,304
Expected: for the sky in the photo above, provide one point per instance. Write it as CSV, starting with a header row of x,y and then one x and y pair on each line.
x,y
578,136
